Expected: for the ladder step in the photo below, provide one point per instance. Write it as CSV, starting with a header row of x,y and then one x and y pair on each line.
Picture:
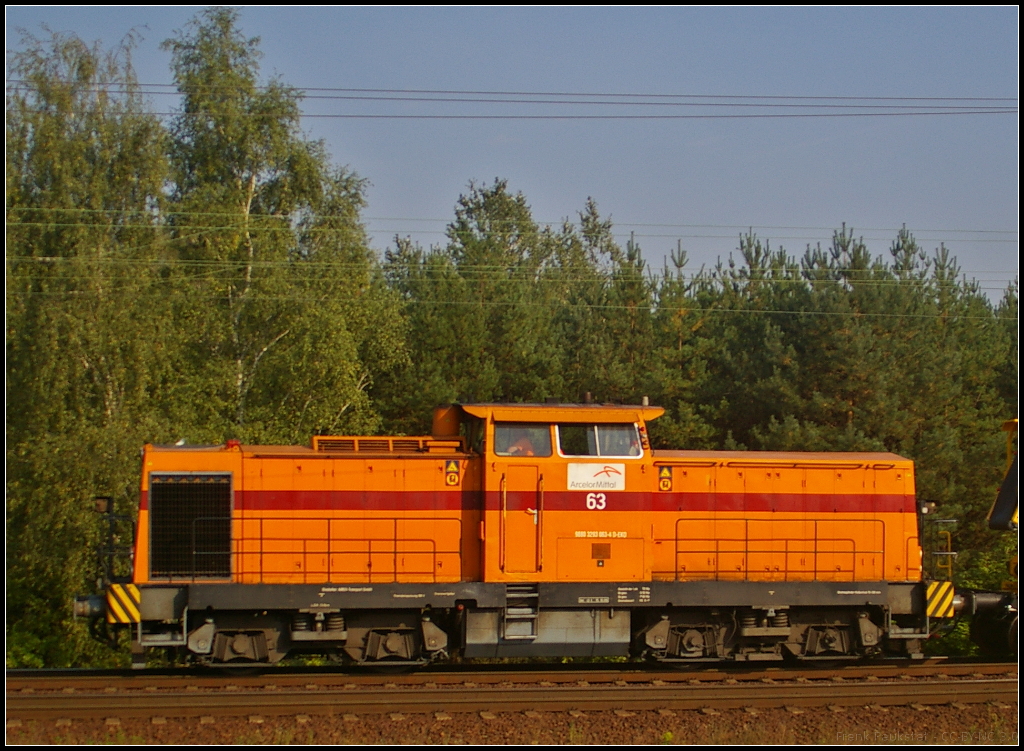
x,y
520,612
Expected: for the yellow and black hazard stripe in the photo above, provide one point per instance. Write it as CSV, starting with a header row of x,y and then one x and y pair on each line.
x,y
123,603
940,600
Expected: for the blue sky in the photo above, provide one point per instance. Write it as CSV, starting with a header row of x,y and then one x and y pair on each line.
x,y
951,179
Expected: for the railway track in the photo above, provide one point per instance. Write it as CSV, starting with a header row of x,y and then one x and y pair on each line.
x,y
279,692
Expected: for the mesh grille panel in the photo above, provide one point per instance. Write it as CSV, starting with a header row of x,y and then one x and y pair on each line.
x,y
190,525
407,444
336,444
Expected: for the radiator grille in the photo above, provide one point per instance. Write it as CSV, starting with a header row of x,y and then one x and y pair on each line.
x,y
406,444
190,526
335,444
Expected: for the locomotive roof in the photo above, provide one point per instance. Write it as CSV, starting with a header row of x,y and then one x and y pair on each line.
x,y
792,458
622,413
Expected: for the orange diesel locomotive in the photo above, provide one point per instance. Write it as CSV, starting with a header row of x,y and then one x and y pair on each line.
x,y
523,530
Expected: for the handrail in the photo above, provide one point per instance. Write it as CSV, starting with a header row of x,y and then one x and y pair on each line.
x,y
789,547
504,513
540,523
257,550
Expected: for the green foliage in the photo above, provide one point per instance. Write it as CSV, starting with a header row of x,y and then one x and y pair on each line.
x,y
482,301
292,324
84,174
954,642
209,282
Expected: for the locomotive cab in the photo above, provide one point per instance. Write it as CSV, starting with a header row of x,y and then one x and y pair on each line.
x,y
561,483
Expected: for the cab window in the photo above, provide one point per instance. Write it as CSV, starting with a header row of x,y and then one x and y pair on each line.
x,y
609,440
522,439
473,431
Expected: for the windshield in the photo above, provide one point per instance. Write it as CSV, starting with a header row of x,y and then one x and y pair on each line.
x,y
522,439
599,440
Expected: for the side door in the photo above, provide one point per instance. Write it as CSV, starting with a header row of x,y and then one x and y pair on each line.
x,y
521,519
520,480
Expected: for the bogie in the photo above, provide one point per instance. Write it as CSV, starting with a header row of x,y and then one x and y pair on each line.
x,y
750,634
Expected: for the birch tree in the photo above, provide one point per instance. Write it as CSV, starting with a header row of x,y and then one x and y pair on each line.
x,y
268,233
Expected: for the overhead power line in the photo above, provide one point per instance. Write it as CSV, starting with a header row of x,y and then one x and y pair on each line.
x,y
654,309
543,272
713,106
172,89
761,116
744,228
620,237
627,100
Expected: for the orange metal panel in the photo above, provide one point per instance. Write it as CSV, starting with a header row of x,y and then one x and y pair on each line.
x,y
307,517
140,572
580,559
348,547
